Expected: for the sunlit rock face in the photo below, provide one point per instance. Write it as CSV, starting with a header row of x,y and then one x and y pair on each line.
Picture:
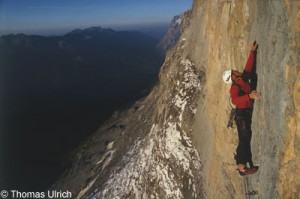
x,y
220,36
175,144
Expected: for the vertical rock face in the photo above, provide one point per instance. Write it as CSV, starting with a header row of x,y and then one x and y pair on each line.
x,y
219,38
175,144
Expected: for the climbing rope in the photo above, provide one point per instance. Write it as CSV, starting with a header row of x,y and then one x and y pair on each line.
x,y
246,189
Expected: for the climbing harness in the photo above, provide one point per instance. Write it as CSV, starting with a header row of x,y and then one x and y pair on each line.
x,y
231,118
233,109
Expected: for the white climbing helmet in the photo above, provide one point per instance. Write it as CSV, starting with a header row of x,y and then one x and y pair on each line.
x,y
227,77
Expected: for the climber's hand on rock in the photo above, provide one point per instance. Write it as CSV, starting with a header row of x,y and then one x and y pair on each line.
x,y
254,95
254,46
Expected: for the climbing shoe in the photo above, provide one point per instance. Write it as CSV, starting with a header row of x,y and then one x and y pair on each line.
x,y
251,170
248,171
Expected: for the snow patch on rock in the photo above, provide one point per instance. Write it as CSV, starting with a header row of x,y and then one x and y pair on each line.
x,y
164,164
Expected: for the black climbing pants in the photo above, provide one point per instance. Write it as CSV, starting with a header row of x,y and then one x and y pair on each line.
x,y
243,119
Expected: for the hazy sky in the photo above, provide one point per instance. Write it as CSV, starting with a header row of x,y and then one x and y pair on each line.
x,y
57,16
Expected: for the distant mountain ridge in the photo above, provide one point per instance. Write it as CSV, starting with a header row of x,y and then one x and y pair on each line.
x,y
57,90
95,29
73,49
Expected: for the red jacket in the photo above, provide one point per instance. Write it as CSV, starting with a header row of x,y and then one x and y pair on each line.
x,y
240,89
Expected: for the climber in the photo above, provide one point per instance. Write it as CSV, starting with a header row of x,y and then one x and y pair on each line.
x,y
243,95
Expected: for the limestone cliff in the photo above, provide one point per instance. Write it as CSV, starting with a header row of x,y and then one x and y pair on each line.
x,y
171,37
220,36
175,144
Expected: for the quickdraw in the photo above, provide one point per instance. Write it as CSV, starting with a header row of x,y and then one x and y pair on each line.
x,y
252,193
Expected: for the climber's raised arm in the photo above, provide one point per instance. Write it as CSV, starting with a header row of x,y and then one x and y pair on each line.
x,y
251,58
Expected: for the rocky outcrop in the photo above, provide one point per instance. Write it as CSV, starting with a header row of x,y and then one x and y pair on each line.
x,y
175,144
172,35
147,151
